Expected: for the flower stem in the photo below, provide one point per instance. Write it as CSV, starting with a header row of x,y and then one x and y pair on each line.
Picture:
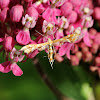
x,y
48,82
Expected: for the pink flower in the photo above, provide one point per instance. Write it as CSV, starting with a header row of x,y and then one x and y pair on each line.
x,y
23,37
65,49
73,17
1,39
34,53
92,33
16,55
28,21
63,22
74,60
32,12
16,13
8,43
87,56
88,22
50,14
96,13
39,7
59,34
58,3
86,38
8,66
4,3
76,2
68,10
97,38
97,61
48,27
59,58
94,48
3,14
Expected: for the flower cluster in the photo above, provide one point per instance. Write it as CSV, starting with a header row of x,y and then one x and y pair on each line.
x,y
54,19
87,50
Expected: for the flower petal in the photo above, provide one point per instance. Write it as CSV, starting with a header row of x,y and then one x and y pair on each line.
x,y
16,70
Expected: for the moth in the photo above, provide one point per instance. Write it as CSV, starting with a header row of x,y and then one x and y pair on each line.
x,y
49,45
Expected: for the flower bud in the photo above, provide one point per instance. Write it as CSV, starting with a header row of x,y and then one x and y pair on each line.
x,y
79,54
93,68
97,38
96,13
59,58
94,48
72,17
4,3
3,14
16,13
66,8
85,49
8,43
76,2
74,60
97,61
87,57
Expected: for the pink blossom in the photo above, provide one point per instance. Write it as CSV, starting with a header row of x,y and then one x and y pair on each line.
x,y
73,17
23,37
76,2
28,21
88,22
79,54
8,66
97,61
96,13
63,22
16,55
32,12
39,7
69,8
3,14
8,43
1,39
97,38
94,48
65,49
59,58
92,33
48,27
74,60
4,3
50,14
58,3
59,34
16,13
87,56
34,53
86,38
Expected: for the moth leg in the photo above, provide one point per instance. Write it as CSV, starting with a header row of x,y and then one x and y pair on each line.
x,y
50,55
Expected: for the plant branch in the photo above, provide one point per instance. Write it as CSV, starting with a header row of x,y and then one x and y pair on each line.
x,y
48,82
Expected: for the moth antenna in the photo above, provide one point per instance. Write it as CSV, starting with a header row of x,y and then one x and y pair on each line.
x,y
40,33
